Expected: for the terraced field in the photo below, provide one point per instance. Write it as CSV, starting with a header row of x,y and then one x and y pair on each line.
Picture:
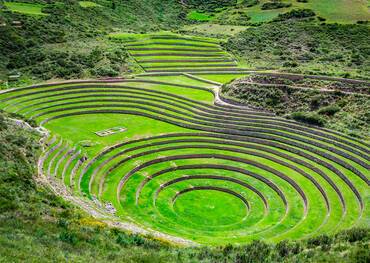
x,y
171,53
166,154
26,8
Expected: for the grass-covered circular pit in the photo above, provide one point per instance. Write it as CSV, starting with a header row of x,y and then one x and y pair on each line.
x,y
206,207
191,167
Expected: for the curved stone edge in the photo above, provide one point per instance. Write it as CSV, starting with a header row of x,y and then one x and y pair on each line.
x,y
99,214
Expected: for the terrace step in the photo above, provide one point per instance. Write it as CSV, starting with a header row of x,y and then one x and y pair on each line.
x,y
174,54
171,73
191,66
138,44
231,69
184,60
176,49
169,37
203,80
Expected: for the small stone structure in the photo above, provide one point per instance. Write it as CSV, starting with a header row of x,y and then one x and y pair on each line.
x,y
110,131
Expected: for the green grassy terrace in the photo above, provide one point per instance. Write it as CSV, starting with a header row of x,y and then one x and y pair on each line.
x,y
184,160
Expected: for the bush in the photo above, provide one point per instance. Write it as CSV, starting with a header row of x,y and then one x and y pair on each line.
x,y
354,235
68,237
250,3
3,124
210,5
233,17
324,241
257,251
290,64
295,14
322,19
308,117
360,254
329,110
286,248
105,71
275,5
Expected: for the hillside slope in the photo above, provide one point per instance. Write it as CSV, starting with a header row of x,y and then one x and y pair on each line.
x,y
69,40
261,11
306,47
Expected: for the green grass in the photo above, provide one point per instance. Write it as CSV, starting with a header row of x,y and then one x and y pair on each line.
x,y
70,128
206,97
209,205
87,4
337,10
151,37
214,29
226,78
197,16
25,8
332,10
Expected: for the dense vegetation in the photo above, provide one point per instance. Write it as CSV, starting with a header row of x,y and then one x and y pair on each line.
x,y
209,5
36,225
71,42
262,11
306,47
274,5
333,104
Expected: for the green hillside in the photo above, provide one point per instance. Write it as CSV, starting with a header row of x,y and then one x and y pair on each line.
x,y
340,11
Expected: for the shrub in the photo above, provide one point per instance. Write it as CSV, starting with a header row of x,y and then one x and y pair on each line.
x,y
210,5
316,101
105,71
329,110
275,5
360,254
3,124
286,248
295,14
308,117
290,64
32,122
324,241
257,251
322,19
129,240
250,3
233,17
354,235
68,237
